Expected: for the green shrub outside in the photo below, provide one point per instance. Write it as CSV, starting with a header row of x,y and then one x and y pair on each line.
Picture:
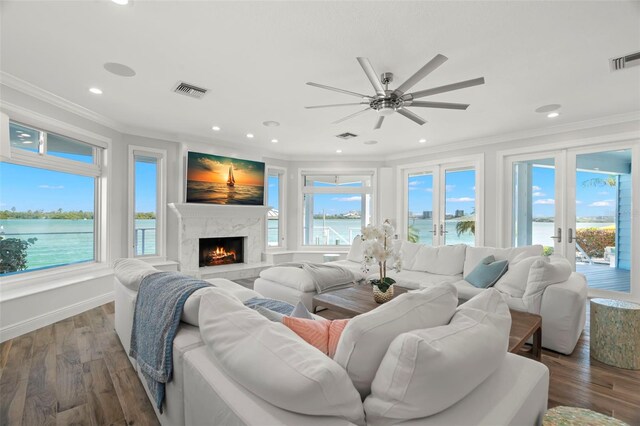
x,y
594,240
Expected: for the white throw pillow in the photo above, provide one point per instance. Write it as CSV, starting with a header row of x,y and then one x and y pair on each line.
x,y
272,362
366,338
543,274
130,272
408,252
514,281
427,371
443,260
355,252
474,255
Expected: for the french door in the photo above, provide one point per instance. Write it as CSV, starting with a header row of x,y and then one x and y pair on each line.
x,y
440,204
578,203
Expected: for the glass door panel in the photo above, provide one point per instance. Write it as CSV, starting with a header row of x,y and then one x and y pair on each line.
x,y
420,220
602,220
533,212
459,224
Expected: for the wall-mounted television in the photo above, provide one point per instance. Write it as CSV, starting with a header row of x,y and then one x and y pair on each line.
x,y
213,179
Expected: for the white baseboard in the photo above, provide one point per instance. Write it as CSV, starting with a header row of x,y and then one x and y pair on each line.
x,y
23,327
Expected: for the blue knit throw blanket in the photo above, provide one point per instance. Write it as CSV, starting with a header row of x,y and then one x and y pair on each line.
x,y
155,322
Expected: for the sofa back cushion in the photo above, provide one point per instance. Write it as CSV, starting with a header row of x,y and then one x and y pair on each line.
x,y
427,371
258,354
474,255
442,260
514,281
542,274
130,272
356,253
366,338
408,251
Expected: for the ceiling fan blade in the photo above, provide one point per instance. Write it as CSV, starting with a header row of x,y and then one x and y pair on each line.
x,y
335,89
335,105
445,88
411,116
444,105
351,116
427,69
379,122
372,75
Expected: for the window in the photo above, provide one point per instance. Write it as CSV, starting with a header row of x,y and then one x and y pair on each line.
x,y
275,215
146,201
49,195
335,208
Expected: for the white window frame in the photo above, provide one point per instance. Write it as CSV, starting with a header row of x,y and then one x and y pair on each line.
x,y
282,208
161,205
38,280
439,168
369,190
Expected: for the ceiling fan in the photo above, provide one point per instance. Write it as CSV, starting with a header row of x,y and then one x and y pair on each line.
x,y
386,101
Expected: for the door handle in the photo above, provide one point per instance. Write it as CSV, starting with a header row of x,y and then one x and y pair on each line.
x,y
442,231
435,229
570,236
559,236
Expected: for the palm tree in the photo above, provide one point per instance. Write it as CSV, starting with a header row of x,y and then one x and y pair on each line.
x,y
597,182
468,225
412,234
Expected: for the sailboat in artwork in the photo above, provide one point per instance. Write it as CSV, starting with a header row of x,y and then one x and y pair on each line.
x,y
231,180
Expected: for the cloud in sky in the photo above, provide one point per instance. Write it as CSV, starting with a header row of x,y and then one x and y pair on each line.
x,y
545,201
578,202
348,199
51,186
602,203
538,194
450,188
460,200
429,189
536,188
603,193
414,183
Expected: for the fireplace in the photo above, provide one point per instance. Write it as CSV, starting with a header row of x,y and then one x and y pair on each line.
x,y
221,251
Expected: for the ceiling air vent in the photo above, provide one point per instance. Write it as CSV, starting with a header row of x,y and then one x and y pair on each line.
x,y
626,61
190,90
346,135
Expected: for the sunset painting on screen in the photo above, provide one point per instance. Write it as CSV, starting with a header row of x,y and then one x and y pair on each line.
x,y
223,180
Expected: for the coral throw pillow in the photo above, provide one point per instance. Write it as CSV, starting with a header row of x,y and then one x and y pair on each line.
x,y
321,334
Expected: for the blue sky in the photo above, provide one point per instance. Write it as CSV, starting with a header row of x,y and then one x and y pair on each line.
x,y
460,192
30,188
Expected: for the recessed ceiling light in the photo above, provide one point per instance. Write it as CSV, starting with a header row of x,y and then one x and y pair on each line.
x,y
250,135
274,140
548,108
370,142
95,91
338,151
553,114
121,2
215,128
119,69
270,123
422,141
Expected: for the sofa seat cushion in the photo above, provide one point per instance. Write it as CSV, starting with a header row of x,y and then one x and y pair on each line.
x,y
259,353
466,291
355,267
289,276
425,371
414,279
474,255
366,338
442,260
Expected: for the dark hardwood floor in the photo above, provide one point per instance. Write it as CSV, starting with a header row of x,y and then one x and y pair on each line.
x,y
76,372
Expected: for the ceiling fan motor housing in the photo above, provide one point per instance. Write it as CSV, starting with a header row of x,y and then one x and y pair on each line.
x,y
387,105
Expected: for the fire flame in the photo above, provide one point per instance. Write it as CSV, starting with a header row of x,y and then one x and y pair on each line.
x,y
219,255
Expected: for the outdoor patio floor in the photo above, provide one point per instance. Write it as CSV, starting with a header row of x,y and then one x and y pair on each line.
x,y
604,277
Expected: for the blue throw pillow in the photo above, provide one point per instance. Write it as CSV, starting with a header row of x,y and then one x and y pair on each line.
x,y
487,272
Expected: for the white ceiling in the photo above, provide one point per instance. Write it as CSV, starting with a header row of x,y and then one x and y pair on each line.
x,y
256,57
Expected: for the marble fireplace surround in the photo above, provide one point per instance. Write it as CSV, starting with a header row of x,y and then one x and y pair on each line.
x,y
197,221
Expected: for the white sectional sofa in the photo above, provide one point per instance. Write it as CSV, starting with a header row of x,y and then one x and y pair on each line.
x,y
203,392
559,297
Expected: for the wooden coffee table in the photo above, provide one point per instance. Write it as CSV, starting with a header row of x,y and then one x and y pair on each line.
x,y
358,299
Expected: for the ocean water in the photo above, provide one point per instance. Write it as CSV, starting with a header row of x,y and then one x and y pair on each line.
x,y
220,193
61,242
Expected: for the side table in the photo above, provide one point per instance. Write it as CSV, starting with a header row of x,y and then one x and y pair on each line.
x,y
615,333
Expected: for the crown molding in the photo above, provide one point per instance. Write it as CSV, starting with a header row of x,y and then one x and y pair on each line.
x,y
34,91
524,134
